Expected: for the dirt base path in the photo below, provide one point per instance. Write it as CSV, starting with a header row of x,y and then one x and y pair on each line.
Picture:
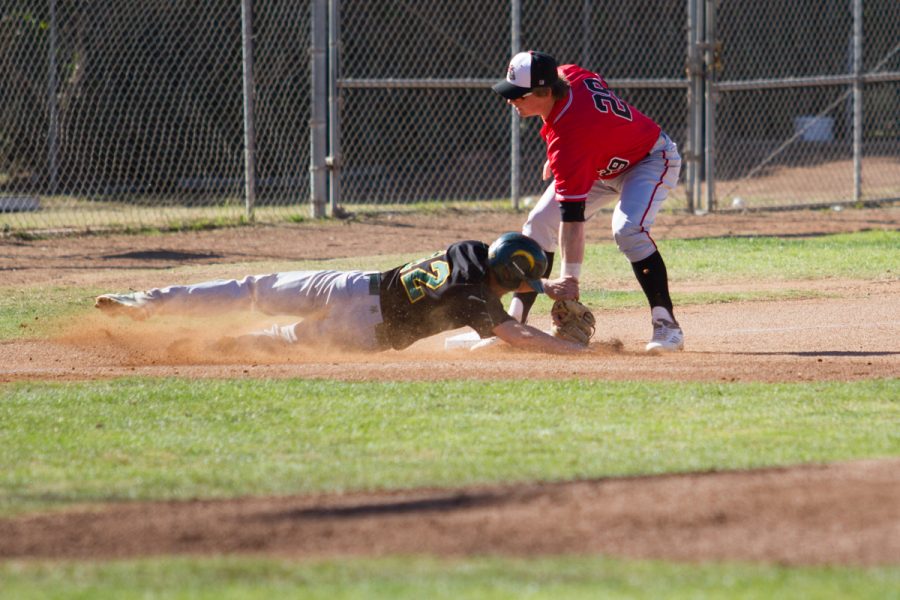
x,y
853,333
830,514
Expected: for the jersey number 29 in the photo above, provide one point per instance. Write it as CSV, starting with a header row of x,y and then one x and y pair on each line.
x,y
606,101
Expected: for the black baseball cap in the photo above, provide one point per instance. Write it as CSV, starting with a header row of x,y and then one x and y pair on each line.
x,y
527,70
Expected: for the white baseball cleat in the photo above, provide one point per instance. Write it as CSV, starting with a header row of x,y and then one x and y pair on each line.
x,y
667,334
132,305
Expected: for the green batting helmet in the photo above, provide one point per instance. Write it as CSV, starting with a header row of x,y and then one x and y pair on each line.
x,y
514,258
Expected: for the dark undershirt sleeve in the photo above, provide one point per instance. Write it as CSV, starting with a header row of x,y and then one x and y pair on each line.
x,y
486,315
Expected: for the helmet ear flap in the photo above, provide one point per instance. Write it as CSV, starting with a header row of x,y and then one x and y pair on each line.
x,y
506,277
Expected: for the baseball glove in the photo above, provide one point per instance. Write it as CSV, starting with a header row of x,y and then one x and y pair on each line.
x,y
572,321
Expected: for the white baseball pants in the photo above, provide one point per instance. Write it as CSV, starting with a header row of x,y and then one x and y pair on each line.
x,y
641,191
338,307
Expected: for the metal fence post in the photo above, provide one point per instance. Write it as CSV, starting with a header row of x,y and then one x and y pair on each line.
x,y
586,10
333,161
249,108
318,127
857,98
710,95
695,105
53,132
515,132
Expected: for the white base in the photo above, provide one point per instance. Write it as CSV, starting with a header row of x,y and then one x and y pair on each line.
x,y
462,340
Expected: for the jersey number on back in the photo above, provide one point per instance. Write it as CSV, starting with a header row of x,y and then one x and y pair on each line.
x,y
606,101
417,277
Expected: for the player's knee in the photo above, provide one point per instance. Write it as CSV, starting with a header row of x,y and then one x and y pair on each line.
x,y
634,243
624,233
545,237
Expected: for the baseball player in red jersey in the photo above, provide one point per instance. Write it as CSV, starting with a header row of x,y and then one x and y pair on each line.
x,y
599,148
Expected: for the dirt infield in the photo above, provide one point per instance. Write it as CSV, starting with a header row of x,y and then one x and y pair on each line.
x,y
797,340
826,514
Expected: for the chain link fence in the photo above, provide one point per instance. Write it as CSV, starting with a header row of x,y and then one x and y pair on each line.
x,y
416,122
119,114
419,120
807,111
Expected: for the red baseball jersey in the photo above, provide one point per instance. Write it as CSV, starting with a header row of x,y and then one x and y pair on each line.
x,y
592,134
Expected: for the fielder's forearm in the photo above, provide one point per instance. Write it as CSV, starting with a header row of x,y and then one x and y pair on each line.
x,y
527,337
571,241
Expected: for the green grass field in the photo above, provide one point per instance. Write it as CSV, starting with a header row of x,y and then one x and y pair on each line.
x,y
145,438
175,438
415,578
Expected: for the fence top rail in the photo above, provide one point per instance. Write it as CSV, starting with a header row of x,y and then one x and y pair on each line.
x,y
792,82
391,83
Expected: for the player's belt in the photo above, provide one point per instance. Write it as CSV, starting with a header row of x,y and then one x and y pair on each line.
x,y
661,142
374,283
381,330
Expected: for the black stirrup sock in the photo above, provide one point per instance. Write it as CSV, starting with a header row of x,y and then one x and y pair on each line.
x,y
651,274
